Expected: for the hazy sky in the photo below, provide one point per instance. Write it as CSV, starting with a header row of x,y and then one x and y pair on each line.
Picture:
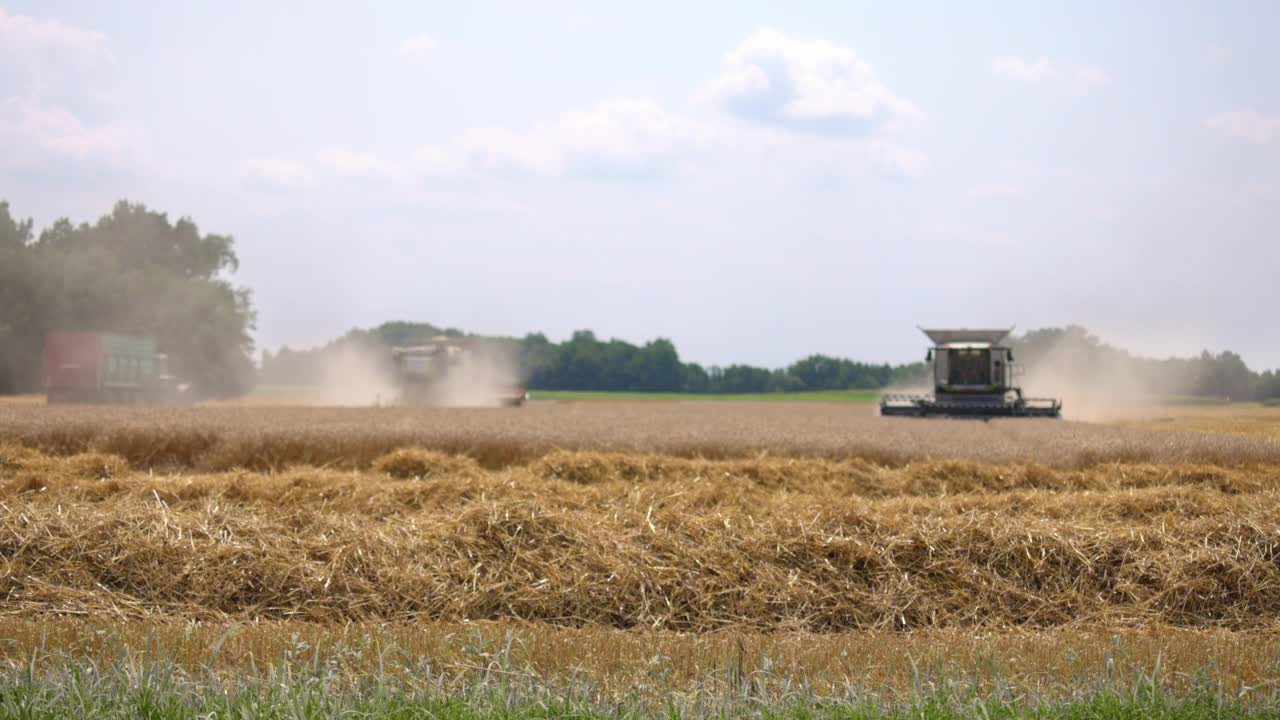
x,y
756,181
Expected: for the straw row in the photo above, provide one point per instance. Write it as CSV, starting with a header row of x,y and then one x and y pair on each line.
x,y
585,539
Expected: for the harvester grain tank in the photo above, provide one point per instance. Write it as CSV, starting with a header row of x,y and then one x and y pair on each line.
x,y
973,376
106,368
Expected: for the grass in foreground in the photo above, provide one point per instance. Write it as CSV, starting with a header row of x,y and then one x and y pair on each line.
x,y
78,694
131,677
618,661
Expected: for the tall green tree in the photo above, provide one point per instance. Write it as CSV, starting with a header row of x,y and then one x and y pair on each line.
x,y
133,272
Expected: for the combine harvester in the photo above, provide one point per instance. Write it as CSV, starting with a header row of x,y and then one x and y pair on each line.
x,y
973,374
450,372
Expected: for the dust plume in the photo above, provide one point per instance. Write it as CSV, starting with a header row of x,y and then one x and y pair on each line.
x,y
454,373
1095,384
351,374
483,376
471,375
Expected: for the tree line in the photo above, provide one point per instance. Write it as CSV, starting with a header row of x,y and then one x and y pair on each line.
x,y
585,362
133,272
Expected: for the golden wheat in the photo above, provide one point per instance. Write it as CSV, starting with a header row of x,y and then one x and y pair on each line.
x,y
630,541
1246,419
222,438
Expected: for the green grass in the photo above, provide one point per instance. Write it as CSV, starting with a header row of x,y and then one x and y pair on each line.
x,y
855,396
301,682
160,694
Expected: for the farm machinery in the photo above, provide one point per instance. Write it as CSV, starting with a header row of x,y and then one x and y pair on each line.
x,y
973,377
107,368
452,372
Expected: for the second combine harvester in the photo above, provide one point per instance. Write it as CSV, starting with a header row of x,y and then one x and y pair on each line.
x,y
450,372
973,376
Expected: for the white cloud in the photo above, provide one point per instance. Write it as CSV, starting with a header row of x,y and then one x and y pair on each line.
x,y
355,164
48,85
630,135
905,161
827,93
617,137
1084,79
1072,79
417,46
278,171
501,149
622,137
435,160
31,129
996,191
788,85
808,85
1027,71
1247,125
328,164
21,35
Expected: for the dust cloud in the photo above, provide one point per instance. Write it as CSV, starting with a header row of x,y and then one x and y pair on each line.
x,y
483,377
355,375
1093,387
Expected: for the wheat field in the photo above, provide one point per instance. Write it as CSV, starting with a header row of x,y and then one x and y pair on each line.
x,y
580,538
272,438
818,541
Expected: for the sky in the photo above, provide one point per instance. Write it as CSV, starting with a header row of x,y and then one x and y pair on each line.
x,y
755,181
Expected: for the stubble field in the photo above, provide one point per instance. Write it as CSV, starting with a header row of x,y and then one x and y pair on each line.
x,y
715,535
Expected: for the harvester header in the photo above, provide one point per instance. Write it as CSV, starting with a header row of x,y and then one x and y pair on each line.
x,y
973,376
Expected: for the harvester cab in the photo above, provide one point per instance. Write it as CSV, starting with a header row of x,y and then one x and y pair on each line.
x,y
973,376
422,369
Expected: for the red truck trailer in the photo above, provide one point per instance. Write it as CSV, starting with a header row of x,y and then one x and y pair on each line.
x,y
107,368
